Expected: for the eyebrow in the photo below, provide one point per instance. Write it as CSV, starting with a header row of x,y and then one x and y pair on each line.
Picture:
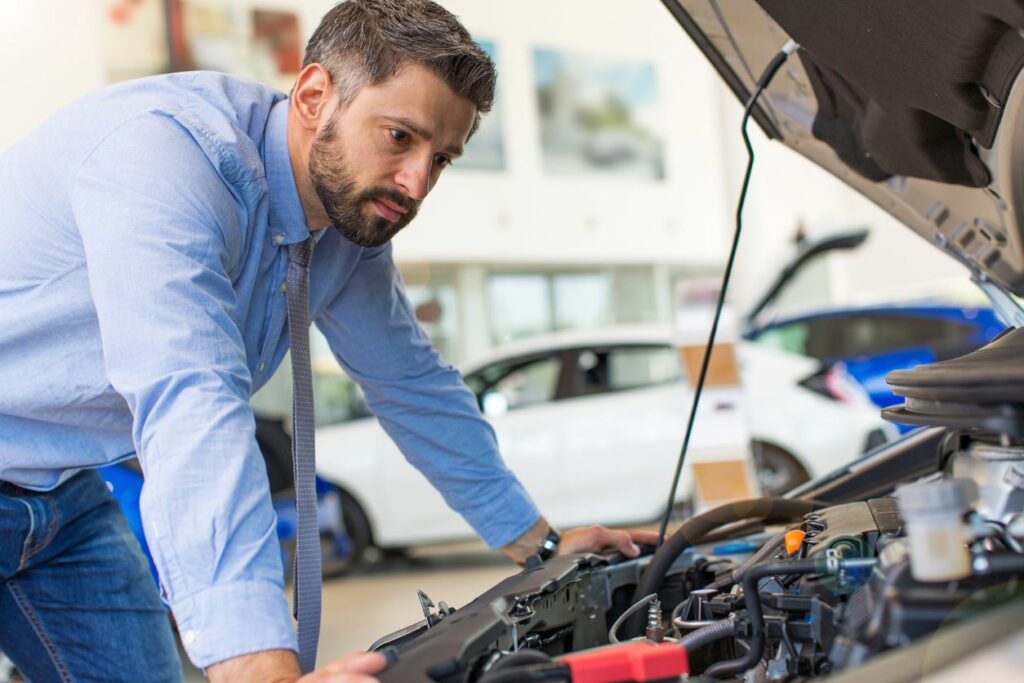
x,y
454,150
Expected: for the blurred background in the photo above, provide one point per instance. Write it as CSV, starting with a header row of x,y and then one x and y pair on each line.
x,y
597,195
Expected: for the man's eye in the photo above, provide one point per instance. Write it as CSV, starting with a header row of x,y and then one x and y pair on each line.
x,y
398,135
442,161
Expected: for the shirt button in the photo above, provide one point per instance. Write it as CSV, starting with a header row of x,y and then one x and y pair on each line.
x,y
284,287
279,239
262,367
189,637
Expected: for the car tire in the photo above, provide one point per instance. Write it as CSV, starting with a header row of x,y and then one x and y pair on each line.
x,y
778,470
358,528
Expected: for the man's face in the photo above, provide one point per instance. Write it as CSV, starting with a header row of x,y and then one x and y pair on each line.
x,y
377,158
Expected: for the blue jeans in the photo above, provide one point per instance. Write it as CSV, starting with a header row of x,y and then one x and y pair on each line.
x,y
77,601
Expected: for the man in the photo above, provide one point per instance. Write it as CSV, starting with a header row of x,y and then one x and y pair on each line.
x,y
146,231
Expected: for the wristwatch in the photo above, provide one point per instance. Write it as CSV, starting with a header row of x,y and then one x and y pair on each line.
x,y
546,549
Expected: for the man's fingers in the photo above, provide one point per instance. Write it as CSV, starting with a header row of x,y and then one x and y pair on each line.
x,y
645,537
622,541
598,538
359,662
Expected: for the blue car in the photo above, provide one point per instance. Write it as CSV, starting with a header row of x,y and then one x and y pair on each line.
x,y
871,341
339,550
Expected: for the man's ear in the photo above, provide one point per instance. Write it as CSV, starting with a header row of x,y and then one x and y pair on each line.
x,y
312,96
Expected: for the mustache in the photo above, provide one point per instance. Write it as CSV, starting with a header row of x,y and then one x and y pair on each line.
x,y
390,194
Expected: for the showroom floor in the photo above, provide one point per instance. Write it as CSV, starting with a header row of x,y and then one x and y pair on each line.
x,y
359,609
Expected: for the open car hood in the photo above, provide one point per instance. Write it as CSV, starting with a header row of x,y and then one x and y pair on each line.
x,y
917,105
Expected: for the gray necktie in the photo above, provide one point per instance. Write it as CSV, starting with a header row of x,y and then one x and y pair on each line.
x,y
306,596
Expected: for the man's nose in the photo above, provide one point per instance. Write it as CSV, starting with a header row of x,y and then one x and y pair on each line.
x,y
414,177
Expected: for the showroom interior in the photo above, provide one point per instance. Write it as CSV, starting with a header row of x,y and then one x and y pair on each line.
x,y
582,235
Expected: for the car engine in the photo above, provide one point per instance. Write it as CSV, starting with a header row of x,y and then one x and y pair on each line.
x,y
823,594
919,538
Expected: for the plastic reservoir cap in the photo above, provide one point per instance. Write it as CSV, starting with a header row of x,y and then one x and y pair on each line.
x,y
794,539
948,496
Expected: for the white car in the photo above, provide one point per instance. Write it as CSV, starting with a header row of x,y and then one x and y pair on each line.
x,y
571,410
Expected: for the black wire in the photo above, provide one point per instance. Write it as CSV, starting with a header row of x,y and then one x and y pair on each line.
x,y
762,83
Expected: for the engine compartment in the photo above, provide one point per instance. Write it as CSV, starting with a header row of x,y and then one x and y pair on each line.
x,y
772,589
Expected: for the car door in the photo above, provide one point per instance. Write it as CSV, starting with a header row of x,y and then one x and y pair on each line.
x,y
628,405
521,398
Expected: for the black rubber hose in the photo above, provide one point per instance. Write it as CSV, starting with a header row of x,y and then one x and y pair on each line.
x,y
752,601
708,634
769,510
770,547
999,565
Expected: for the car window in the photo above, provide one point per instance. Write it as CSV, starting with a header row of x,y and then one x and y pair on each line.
x,y
791,337
515,384
819,338
868,335
625,367
630,368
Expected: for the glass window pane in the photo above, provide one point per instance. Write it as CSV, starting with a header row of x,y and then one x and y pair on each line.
x,y
867,335
518,384
582,300
518,305
631,368
792,338
635,300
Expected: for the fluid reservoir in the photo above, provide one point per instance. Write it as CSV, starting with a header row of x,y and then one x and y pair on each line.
x,y
933,516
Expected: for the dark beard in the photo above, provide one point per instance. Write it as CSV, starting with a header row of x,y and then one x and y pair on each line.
x,y
343,203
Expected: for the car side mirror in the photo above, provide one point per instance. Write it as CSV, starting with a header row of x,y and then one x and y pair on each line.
x,y
494,404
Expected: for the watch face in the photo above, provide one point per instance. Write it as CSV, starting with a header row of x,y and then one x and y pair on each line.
x,y
549,545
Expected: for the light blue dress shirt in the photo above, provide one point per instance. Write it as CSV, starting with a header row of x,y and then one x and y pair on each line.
x,y
141,305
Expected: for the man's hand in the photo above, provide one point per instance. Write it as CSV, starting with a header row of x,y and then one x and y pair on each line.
x,y
583,540
356,668
282,666
598,538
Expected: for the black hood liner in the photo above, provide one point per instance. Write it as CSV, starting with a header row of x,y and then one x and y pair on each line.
x,y
992,374
903,85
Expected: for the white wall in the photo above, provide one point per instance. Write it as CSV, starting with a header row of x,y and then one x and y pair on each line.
x,y
527,215
49,55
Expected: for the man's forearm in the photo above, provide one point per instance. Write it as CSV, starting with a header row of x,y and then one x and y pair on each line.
x,y
527,544
269,666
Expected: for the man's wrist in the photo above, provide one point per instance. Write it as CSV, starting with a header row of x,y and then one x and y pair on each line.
x,y
270,666
527,544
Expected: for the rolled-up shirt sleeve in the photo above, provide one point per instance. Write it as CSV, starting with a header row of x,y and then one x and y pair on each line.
x,y
422,402
159,227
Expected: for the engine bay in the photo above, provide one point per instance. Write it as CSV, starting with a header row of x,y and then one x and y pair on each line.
x,y
766,589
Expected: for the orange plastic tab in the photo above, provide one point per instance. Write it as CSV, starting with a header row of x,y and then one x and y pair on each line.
x,y
794,539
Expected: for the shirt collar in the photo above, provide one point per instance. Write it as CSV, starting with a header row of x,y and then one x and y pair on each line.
x,y
286,215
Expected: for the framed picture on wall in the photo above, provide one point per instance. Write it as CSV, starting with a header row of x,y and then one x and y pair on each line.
x,y
486,149
598,115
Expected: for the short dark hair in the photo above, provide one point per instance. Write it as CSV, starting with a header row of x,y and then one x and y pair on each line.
x,y
366,42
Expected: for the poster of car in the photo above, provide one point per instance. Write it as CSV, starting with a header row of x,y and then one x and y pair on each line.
x,y
598,115
486,149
